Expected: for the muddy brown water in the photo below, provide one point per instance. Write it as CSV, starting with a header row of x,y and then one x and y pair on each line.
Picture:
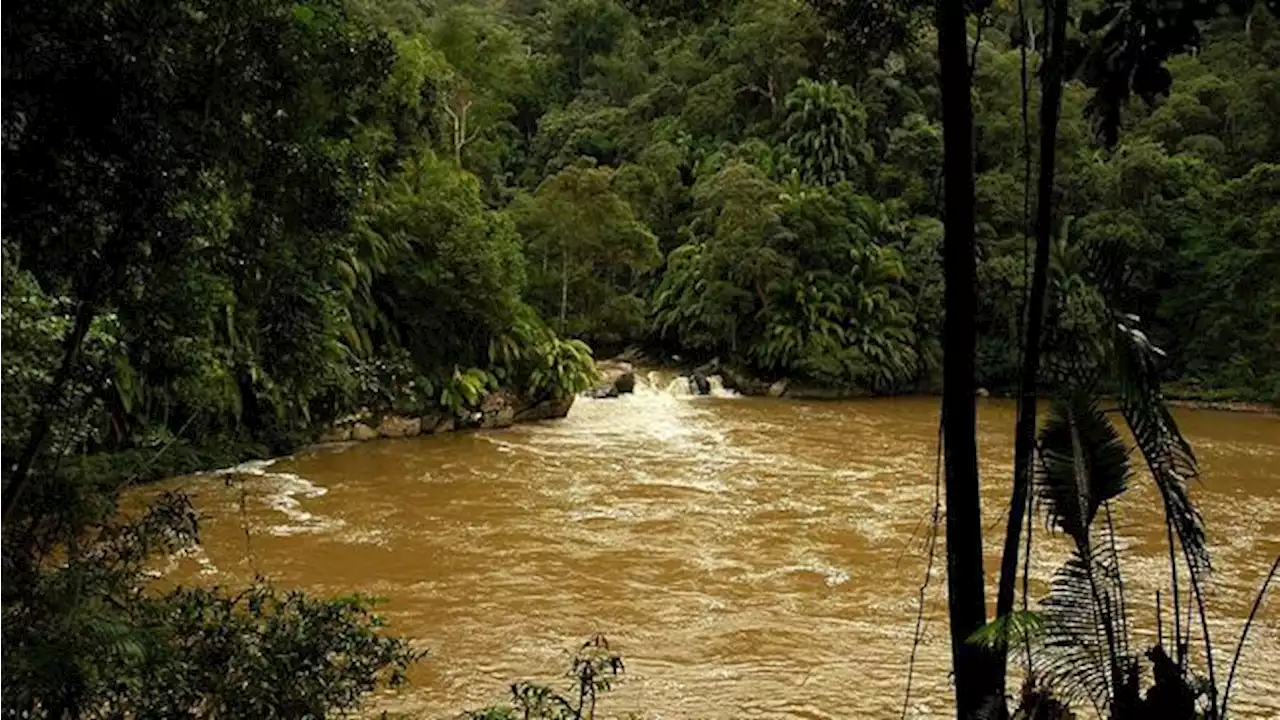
x,y
749,557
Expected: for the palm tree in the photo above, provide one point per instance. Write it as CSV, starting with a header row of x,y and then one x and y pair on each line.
x,y
826,131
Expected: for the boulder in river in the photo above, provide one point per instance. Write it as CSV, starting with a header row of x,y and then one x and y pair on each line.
x,y
699,384
603,392
617,377
625,383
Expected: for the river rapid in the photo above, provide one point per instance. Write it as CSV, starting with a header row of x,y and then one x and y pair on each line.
x,y
749,557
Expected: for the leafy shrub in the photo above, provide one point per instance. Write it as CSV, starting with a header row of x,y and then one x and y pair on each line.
x,y
86,637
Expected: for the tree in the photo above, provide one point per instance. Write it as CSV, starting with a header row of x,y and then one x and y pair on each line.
x,y
1050,107
583,235
1128,53
582,32
767,49
145,160
491,72
861,35
825,132
186,177
976,672
439,274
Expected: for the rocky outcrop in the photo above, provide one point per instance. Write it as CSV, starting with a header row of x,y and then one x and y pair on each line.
x,y
546,410
699,383
744,383
603,392
498,409
617,377
396,426
336,434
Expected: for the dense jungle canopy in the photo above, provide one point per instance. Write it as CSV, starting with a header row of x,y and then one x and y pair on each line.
x,y
231,222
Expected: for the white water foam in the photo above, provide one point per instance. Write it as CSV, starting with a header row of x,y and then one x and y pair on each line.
x,y
831,574
284,491
284,499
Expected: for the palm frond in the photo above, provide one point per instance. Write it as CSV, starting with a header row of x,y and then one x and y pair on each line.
x,y
1084,656
1015,628
1166,451
1084,463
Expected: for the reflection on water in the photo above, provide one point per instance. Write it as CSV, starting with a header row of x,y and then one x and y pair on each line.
x,y
750,557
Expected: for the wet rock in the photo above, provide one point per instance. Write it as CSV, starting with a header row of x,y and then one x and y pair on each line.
x,y
742,382
448,424
601,393
498,409
983,392
505,417
777,389
340,433
625,383
616,375
396,426
699,384
546,410
430,421
360,431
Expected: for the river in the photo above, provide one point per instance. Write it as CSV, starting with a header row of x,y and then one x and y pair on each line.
x,y
749,557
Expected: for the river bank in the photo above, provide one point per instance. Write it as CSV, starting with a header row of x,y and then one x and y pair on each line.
x,y
745,382
618,375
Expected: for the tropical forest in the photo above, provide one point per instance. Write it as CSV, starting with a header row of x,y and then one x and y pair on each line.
x,y
582,359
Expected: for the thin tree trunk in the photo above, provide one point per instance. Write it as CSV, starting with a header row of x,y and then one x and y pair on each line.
x,y
564,288
975,677
48,403
1025,436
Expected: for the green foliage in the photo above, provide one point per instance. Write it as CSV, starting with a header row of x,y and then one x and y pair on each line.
x,y
1084,464
233,222
437,272
586,247
1012,630
804,281
826,131
85,637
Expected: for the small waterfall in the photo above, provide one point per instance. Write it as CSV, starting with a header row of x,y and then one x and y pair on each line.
x,y
664,382
679,386
654,380
684,386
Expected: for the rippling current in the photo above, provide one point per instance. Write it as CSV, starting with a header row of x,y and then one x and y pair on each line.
x,y
749,557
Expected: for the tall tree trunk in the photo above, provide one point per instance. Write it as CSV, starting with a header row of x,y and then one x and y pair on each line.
x,y
974,669
1025,436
